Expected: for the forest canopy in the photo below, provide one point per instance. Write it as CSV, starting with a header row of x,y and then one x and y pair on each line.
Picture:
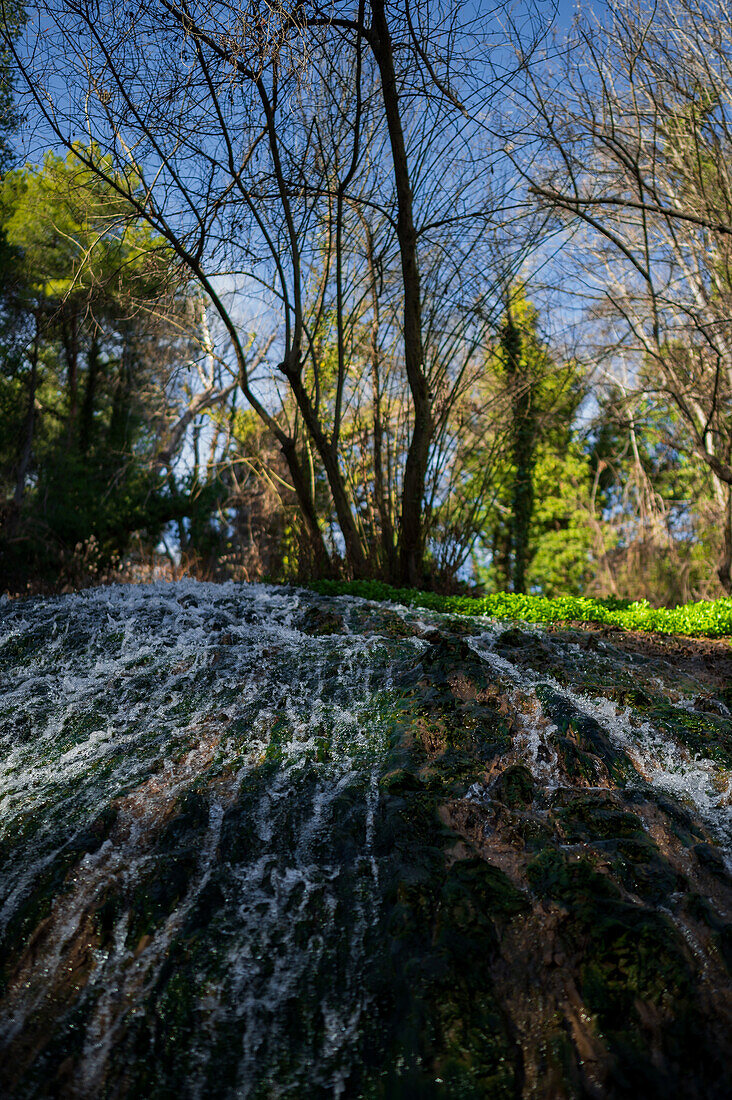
x,y
425,294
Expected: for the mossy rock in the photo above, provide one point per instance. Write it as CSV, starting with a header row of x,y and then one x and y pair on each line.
x,y
480,892
320,621
635,968
401,780
514,787
380,899
593,815
711,859
703,734
55,880
643,871
585,733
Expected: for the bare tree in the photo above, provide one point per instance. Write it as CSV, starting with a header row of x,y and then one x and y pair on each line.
x,y
636,136
309,154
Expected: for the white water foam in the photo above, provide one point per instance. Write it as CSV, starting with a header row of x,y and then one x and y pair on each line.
x,y
131,695
662,761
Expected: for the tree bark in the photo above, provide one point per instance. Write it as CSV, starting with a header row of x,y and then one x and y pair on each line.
x,y
321,557
30,423
522,439
382,503
70,337
411,535
355,552
86,426
12,515
724,570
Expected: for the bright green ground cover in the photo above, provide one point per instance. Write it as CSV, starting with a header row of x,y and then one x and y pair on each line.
x,y
708,618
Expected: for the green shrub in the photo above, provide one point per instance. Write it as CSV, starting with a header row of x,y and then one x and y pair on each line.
x,y
708,618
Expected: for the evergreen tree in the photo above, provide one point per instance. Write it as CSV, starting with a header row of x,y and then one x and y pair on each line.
x,y
542,464
83,375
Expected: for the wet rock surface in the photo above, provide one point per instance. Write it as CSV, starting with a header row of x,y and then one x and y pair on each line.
x,y
258,843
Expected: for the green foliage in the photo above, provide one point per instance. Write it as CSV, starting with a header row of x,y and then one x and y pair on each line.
x,y
534,535
658,520
84,360
561,536
74,235
706,618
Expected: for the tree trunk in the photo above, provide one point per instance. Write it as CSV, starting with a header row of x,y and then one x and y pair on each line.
x,y
382,503
26,449
71,350
11,519
724,570
86,426
321,557
411,534
355,552
119,423
522,440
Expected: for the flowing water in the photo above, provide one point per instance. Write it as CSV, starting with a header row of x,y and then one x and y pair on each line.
x,y
204,847
698,781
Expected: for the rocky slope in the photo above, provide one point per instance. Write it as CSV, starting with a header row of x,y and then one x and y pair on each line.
x,y
258,843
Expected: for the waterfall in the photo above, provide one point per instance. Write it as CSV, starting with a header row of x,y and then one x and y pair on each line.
x,y
238,825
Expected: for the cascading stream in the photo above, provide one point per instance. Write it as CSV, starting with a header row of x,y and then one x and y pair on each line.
x,y
258,843
138,698
658,759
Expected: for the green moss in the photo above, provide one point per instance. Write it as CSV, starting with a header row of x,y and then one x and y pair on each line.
x,y
643,871
712,861
21,649
625,694
593,815
448,1034
682,824
533,833
630,955
401,780
724,943
78,726
552,875
34,908
280,735
396,913
52,1072
482,893
703,734
588,739
442,1029
449,717
156,896
514,786
48,886
319,621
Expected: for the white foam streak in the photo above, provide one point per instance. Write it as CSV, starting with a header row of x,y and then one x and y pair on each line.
x,y
130,695
658,758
